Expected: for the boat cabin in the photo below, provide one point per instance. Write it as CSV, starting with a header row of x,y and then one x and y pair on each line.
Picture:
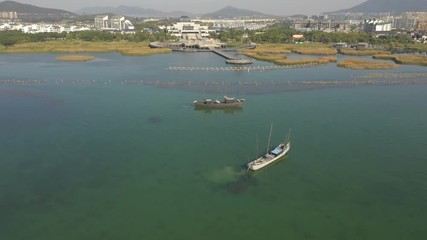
x,y
276,151
229,99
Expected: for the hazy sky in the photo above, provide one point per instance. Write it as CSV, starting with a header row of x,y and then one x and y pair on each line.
x,y
276,7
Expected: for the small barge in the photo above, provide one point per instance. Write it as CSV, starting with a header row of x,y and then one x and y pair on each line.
x,y
228,102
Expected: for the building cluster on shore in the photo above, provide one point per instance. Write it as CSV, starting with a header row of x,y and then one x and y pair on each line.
x,y
200,29
246,24
380,23
101,23
43,27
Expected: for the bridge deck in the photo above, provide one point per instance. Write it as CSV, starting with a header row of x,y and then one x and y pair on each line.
x,y
223,54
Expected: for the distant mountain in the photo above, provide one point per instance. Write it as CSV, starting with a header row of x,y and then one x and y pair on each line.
x,y
11,6
133,11
31,12
94,10
233,12
301,16
394,6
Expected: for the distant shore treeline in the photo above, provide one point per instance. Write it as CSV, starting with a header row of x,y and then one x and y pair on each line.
x,y
276,34
10,38
282,33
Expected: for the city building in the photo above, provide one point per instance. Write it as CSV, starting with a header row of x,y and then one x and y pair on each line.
x,y
101,22
401,22
324,25
115,23
297,38
189,30
248,24
8,15
377,26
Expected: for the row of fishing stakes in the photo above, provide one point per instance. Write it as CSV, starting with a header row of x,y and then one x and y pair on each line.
x,y
61,81
379,81
242,69
396,78
392,75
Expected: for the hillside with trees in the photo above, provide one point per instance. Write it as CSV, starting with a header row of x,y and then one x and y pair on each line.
x,y
31,12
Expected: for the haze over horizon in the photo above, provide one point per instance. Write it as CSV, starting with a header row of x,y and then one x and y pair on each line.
x,y
274,7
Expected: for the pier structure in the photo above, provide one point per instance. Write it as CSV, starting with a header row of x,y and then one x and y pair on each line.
x,y
205,45
230,59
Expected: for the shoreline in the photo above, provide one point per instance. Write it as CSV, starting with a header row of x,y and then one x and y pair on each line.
x,y
74,47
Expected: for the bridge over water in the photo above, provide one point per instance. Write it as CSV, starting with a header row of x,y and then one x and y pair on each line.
x,y
230,59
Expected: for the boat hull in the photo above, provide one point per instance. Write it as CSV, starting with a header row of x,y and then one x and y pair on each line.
x,y
265,161
200,105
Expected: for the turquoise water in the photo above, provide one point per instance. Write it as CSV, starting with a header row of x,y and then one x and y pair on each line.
x,y
104,159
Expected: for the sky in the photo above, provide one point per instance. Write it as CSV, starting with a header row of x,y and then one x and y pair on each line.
x,y
275,7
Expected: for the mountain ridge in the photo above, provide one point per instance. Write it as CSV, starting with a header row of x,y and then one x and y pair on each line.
x,y
133,11
394,6
226,12
12,6
234,12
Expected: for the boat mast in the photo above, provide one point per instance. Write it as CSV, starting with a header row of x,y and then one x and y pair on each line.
x,y
289,136
257,147
269,137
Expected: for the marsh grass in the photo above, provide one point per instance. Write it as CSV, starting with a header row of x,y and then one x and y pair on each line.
x,y
125,48
264,56
363,52
316,51
277,53
76,58
321,60
358,64
404,59
308,49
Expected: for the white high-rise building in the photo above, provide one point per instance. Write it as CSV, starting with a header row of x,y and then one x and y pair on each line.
x,y
115,23
101,22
